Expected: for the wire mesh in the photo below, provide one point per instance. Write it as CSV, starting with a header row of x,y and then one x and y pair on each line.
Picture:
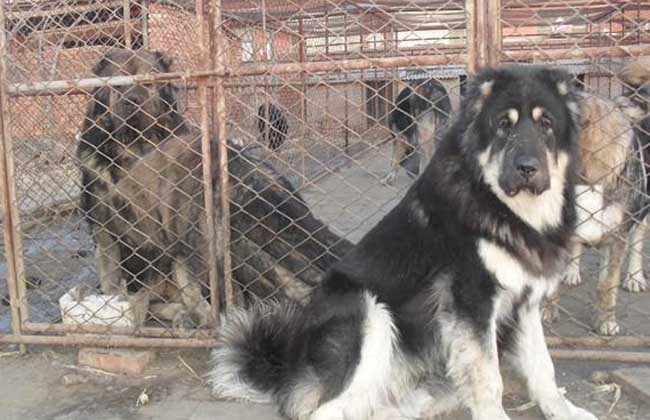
x,y
330,109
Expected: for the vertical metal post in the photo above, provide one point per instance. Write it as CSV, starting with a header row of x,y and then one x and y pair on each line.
x,y
127,24
267,90
11,223
483,33
145,23
347,117
302,56
472,35
219,57
494,32
204,40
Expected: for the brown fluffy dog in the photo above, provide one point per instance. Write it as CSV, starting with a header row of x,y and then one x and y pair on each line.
x,y
143,196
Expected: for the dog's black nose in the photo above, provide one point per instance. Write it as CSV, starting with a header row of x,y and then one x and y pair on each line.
x,y
528,166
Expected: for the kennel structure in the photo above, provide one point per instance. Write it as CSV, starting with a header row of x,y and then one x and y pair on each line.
x,y
333,67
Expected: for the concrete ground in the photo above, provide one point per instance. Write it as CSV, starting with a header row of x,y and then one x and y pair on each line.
x,y
31,387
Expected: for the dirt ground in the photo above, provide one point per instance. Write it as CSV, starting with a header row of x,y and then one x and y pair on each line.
x,y
31,387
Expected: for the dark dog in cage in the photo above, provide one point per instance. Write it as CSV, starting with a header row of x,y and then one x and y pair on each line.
x,y
421,112
122,124
418,316
272,125
613,199
143,195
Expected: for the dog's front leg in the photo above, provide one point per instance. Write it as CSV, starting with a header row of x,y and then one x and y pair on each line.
x,y
531,359
109,264
473,368
608,283
189,287
399,153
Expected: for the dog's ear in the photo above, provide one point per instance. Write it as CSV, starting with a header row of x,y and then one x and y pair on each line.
x,y
563,82
482,83
98,108
103,67
99,68
479,88
560,80
636,72
163,61
171,117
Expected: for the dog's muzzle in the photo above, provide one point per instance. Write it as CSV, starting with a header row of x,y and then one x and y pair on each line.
x,y
525,168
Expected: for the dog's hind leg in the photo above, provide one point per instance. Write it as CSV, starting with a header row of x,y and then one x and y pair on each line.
x,y
635,280
368,390
608,284
531,360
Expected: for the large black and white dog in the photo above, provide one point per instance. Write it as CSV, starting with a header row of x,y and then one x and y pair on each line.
x,y
414,319
272,125
422,109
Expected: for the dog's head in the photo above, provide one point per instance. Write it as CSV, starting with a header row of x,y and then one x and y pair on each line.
x,y
525,128
430,93
636,74
133,110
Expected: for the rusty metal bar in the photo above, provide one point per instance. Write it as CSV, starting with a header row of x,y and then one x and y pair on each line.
x,y
47,328
128,42
84,86
601,355
206,152
265,77
106,341
575,53
596,341
482,34
11,223
494,42
144,13
302,56
472,36
220,67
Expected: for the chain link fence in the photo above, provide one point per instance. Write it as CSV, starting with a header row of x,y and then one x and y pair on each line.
x,y
307,122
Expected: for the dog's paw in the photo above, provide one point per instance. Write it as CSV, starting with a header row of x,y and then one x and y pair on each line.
x,y
550,313
572,277
635,283
202,315
389,179
581,414
390,413
183,320
608,327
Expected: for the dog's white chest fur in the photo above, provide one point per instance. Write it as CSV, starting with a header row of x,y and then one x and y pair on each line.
x,y
508,271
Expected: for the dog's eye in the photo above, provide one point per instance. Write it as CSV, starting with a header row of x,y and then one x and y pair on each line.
x,y
504,121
